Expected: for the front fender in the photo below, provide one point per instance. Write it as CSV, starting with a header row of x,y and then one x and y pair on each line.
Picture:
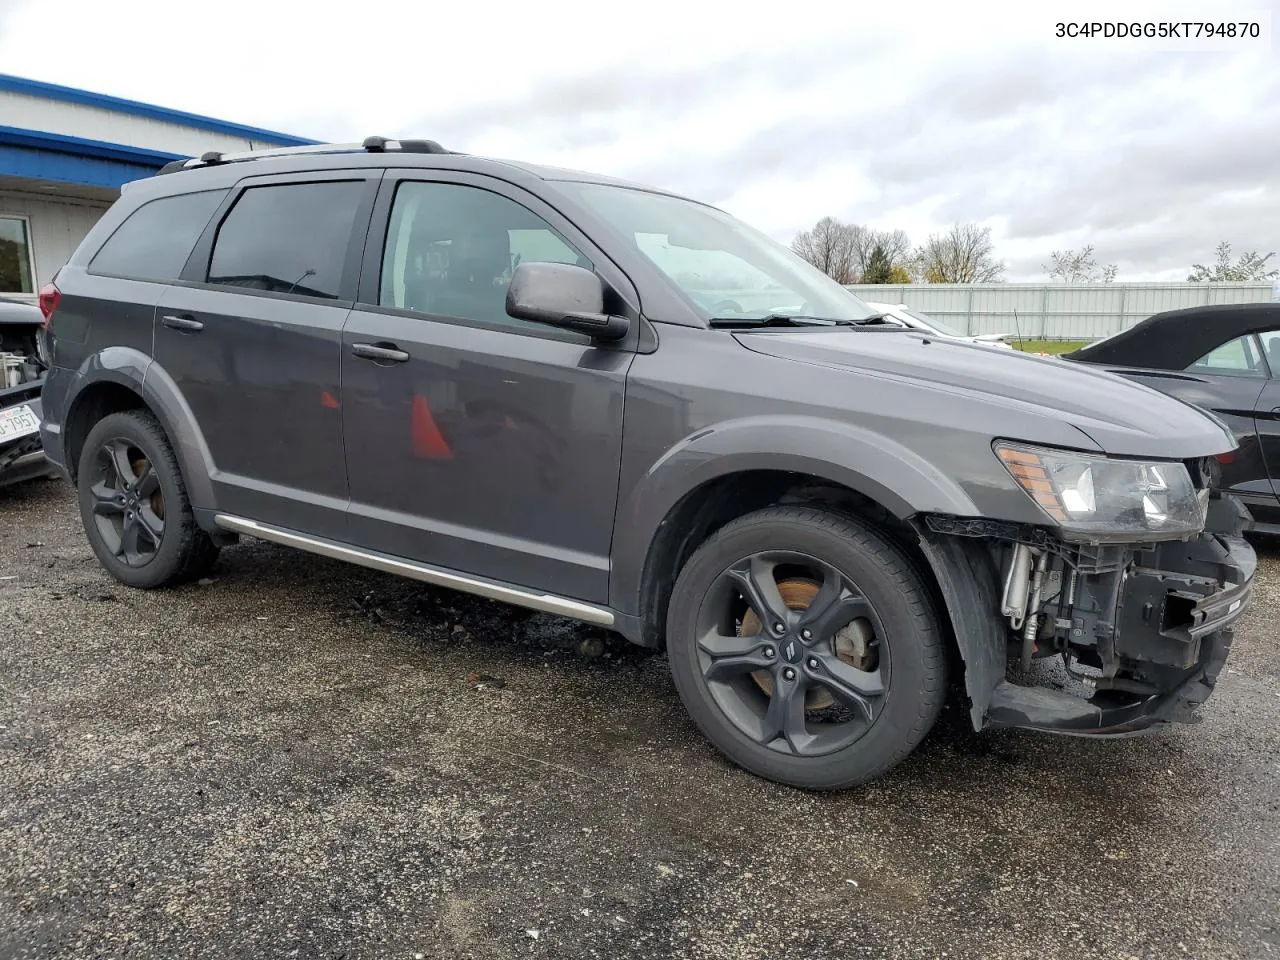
x,y
870,464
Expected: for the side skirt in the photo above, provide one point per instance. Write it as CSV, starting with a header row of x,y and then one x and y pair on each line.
x,y
436,576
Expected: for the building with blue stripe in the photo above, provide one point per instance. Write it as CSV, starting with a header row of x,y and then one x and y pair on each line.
x,y
64,154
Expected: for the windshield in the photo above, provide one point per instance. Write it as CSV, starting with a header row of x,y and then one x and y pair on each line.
x,y
936,325
725,268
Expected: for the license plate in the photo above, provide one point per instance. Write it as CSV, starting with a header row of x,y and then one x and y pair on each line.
x,y
18,422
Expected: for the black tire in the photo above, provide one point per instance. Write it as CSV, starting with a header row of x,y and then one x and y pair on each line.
x,y
183,551
873,573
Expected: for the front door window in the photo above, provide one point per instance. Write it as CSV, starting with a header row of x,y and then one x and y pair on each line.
x,y
451,250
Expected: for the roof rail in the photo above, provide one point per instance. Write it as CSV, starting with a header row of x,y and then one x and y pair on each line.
x,y
368,145
382,144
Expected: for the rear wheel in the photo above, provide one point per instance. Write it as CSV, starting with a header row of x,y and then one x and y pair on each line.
x,y
134,504
806,648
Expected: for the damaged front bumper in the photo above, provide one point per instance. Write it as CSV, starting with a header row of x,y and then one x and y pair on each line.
x,y
1136,634
23,457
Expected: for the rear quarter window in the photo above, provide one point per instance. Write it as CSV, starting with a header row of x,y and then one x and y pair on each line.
x,y
1235,358
155,240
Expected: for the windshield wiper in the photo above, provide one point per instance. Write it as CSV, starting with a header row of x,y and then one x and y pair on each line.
x,y
791,320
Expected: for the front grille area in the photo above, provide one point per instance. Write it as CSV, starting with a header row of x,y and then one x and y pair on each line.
x,y
14,449
1206,472
23,393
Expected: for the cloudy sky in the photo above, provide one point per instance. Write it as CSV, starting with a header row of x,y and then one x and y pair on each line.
x,y
909,115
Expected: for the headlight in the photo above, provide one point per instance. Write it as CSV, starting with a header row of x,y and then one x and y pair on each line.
x,y
42,348
1098,496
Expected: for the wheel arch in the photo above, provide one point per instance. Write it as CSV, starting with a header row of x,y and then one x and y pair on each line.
x,y
107,382
122,378
973,642
728,469
717,502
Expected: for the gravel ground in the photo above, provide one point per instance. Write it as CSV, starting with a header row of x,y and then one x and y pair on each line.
x,y
302,758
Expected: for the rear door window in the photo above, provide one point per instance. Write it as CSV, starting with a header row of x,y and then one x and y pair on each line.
x,y
155,240
288,238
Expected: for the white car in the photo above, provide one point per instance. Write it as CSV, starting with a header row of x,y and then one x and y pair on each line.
x,y
901,313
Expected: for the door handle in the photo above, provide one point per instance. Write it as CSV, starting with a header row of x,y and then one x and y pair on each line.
x,y
380,352
182,323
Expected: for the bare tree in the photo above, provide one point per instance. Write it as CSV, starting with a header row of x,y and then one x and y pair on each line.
x,y
829,247
1250,266
894,243
843,250
1072,267
964,254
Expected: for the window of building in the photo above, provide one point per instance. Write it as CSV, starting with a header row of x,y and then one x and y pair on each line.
x,y
288,238
16,275
155,240
451,250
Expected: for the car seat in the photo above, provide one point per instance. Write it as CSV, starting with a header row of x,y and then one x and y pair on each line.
x,y
474,282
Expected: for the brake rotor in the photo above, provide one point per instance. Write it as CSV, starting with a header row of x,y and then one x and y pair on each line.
x,y
852,642
157,501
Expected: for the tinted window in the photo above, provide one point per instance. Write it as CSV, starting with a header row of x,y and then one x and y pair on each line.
x,y
155,240
1236,358
288,238
451,249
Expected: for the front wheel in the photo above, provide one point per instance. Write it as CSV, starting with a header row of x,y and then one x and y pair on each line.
x,y
134,504
806,647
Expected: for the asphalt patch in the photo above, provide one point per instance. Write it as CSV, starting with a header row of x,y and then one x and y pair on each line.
x,y
300,758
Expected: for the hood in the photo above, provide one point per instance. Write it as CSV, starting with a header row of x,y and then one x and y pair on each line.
x,y
1120,416
17,313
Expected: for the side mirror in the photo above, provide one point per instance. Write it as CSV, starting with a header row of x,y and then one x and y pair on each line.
x,y
563,295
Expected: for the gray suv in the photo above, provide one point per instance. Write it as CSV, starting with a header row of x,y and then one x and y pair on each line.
x,y
616,404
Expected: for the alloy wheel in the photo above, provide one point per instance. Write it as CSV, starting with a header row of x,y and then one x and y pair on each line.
x,y
793,653
128,506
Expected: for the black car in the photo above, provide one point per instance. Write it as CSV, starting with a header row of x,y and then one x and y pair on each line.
x,y
610,402
1223,358
22,370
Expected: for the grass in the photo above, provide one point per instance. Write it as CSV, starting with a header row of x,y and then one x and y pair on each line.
x,y
1048,346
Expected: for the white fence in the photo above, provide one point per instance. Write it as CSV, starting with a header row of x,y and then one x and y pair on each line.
x,y
1066,311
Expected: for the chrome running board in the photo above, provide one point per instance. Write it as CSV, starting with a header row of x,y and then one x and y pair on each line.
x,y
435,576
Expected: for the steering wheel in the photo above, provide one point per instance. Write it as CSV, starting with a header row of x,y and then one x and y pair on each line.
x,y
726,306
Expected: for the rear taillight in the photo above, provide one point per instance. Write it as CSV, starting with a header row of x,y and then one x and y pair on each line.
x,y
50,297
